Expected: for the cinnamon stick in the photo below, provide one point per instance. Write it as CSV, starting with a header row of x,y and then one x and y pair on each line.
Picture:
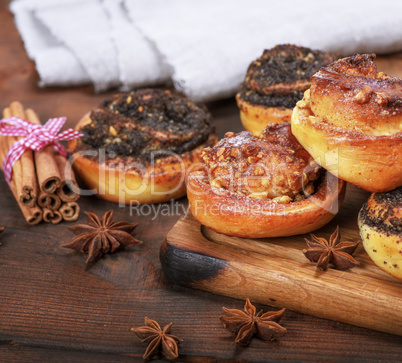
x,y
33,215
70,211
24,175
50,201
52,216
42,177
68,190
46,167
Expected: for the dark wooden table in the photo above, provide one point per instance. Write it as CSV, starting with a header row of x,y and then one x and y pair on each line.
x,y
54,309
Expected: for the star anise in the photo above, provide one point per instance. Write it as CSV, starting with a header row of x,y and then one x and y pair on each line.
x,y
101,236
247,324
333,251
159,341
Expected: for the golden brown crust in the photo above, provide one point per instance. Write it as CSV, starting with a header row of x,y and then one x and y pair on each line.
x,y
345,124
380,223
256,117
227,212
128,179
373,163
262,184
351,94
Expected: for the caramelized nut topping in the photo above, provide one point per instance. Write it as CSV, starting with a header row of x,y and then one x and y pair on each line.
x,y
229,134
216,183
383,76
265,182
283,199
249,149
234,151
112,131
364,95
309,189
257,134
259,195
382,98
275,164
243,167
259,171
252,159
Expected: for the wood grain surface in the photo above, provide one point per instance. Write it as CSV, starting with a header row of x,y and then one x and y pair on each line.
x,y
275,271
54,309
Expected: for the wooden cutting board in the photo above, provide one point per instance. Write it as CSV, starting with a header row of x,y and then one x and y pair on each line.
x,y
275,272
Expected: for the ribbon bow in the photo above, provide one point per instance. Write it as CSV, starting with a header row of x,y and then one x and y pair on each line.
x,y
35,137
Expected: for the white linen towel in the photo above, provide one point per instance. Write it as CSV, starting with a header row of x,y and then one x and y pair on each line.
x,y
204,47
140,63
55,63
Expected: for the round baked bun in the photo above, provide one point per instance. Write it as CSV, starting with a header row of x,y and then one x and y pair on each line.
x,y
380,223
263,184
138,147
275,82
350,121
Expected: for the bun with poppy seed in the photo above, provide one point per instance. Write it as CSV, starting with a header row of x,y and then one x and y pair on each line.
x,y
262,184
139,146
380,223
275,82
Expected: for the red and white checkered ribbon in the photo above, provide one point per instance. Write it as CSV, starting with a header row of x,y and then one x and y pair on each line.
x,y
35,137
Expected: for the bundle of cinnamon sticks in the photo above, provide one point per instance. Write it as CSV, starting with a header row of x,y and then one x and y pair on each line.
x,y
42,182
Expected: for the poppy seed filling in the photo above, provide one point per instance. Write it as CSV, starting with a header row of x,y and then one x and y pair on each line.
x,y
144,121
280,76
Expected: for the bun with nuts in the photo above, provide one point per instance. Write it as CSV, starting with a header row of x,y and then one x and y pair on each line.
x,y
275,82
350,121
138,147
262,184
380,223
